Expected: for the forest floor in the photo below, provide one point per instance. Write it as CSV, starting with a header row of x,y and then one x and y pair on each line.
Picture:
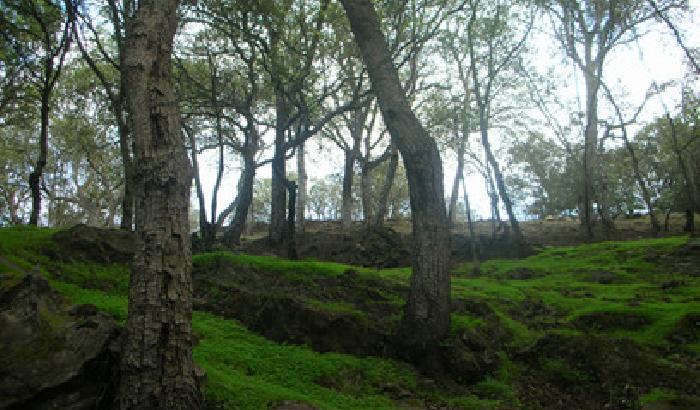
x,y
610,325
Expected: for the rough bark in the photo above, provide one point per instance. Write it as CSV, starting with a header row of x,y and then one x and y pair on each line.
x,y
426,317
157,368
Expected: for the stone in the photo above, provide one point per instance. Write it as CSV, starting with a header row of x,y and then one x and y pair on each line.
x,y
54,356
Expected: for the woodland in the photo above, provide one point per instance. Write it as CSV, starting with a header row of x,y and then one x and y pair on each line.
x,y
354,204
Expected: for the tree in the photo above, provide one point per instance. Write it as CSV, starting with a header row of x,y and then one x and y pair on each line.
x,y
44,26
588,31
104,65
157,368
497,35
427,314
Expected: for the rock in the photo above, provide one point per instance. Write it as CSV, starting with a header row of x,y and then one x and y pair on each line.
x,y
100,245
54,356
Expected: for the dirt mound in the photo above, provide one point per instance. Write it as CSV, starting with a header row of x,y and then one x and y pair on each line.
x,y
101,245
349,313
592,372
54,356
380,247
345,314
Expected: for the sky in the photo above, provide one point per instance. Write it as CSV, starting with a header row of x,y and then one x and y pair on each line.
x,y
629,71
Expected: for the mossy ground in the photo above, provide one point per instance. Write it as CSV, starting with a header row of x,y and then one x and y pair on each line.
x,y
616,290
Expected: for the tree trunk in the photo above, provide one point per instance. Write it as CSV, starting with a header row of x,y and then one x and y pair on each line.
x,y
603,204
452,213
493,202
476,266
366,195
426,317
348,173
157,369
590,146
498,176
655,227
245,199
291,225
386,188
687,178
38,171
301,194
198,184
278,204
127,220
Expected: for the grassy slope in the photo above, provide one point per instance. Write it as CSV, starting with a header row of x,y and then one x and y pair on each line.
x,y
244,370
248,372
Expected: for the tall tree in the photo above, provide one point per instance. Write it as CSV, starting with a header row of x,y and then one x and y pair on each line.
x,y
588,31
501,51
427,313
103,64
157,368
41,33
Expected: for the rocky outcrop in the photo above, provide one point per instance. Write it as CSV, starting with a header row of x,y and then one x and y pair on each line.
x,y
54,356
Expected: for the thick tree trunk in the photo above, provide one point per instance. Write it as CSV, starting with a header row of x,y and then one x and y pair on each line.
x,y
157,369
348,173
38,171
383,202
426,317
301,194
278,204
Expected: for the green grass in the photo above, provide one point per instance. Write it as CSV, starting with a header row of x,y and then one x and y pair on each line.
x,y
292,269
246,371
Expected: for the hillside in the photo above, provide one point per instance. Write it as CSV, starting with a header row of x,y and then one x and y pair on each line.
x,y
613,325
